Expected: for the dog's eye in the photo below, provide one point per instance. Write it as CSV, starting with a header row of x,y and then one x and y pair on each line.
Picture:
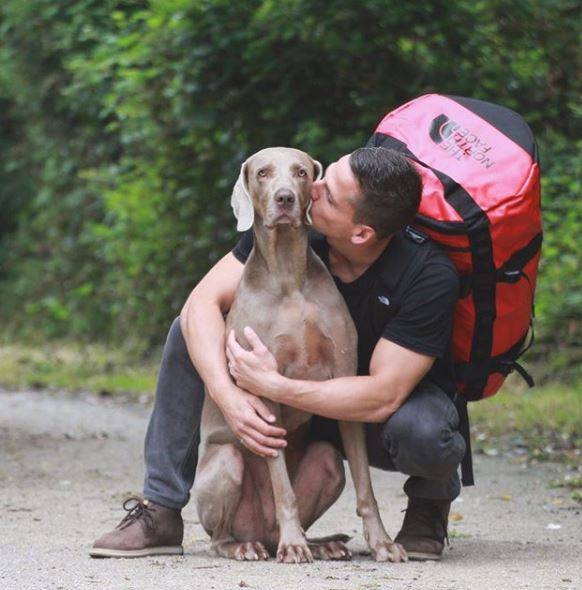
x,y
262,173
302,172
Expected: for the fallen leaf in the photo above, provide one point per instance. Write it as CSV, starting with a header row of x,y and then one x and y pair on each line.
x,y
455,516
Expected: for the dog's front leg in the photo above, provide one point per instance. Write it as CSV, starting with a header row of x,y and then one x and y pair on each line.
x,y
292,547
380,543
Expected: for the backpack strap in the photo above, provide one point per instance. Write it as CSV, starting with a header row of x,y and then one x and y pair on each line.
x,y
512,270
399,277
467,475
404,263
476,224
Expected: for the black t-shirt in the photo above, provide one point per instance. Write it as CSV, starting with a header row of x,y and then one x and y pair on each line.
x,y
420,318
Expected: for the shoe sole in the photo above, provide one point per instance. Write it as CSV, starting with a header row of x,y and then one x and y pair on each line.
x,y
419,556
100,552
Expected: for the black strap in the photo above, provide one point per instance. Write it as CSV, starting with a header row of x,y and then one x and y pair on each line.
x,y
523,256
403,264
505,362
512,270
467,475
510,366
476,223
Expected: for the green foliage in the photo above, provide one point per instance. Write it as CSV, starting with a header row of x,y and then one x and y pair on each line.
x,y
64,366
559,290
51,265
547,421
126,121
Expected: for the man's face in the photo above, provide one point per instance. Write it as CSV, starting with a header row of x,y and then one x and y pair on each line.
x,y
332,209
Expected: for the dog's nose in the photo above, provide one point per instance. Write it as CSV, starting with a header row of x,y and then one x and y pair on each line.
x,y
284,197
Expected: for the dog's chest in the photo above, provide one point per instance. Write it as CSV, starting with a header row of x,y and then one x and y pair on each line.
x,y
301,342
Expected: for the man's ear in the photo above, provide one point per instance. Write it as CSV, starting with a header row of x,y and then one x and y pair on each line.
x,y
241,202
362,234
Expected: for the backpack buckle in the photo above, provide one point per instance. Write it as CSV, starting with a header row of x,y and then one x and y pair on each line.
x,y
415,235
512,276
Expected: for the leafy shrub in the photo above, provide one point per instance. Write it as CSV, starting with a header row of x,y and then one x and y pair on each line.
x,y
127,122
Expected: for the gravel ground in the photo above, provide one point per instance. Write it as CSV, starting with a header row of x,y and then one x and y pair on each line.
x,y
67,462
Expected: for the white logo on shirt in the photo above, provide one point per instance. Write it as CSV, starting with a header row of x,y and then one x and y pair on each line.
x,y
383,299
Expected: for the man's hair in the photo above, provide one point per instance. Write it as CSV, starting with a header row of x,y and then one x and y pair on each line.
x,y
391,189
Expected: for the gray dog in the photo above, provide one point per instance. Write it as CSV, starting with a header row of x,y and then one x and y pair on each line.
x,y
252,506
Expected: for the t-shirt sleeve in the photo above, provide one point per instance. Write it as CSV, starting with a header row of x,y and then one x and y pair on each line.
x,y
424,321
244,246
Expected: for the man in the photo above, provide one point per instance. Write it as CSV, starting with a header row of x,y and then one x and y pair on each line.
x,y
403,391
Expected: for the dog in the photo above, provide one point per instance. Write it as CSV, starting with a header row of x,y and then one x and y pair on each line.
x,y
254,507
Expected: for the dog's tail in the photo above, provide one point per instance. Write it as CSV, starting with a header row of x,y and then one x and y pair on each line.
x,y
338,537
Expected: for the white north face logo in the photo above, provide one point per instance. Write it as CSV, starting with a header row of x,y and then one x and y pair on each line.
x,y
383,299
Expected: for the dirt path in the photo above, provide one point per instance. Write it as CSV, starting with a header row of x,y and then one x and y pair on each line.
x,y
67,462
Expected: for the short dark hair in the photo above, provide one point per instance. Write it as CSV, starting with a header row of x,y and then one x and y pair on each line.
x,y
391,189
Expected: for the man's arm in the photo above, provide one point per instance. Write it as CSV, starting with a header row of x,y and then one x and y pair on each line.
x,y
203,328
394,373
202,323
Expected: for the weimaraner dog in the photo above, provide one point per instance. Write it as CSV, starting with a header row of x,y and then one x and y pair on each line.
x,y
251,506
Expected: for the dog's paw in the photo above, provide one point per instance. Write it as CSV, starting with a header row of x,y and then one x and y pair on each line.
x,y
298,552
330,550
389,551
251,551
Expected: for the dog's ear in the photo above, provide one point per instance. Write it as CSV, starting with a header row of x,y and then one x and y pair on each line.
x,y
317,175
318,170
308,220
241,202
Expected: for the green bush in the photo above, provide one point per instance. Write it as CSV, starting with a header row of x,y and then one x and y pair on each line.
x,y
127,122
559,289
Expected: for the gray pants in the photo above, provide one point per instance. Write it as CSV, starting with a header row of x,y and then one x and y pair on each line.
x,y
420,439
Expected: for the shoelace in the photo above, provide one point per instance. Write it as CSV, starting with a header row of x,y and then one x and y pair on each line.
x,y
137,508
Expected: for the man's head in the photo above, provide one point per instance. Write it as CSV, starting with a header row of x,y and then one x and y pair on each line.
x,y
370,193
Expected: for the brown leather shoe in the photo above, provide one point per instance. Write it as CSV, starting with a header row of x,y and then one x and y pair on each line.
x,y
147,529
424,529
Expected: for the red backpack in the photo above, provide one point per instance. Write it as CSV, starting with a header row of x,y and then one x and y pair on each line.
x,y
481,203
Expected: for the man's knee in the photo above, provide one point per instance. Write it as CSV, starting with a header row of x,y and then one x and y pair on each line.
x,y
422,436
175,346
177,375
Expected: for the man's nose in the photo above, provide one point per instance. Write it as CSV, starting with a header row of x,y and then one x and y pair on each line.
x,y
285,198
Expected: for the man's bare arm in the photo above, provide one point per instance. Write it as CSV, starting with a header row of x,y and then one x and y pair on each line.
x,y
202,323
203,328
394,373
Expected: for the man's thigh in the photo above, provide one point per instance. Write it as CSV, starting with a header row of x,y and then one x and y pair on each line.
x,y
326,429
427,411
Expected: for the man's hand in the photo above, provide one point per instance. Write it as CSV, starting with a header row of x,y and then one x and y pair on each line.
x,y
254,370
249,419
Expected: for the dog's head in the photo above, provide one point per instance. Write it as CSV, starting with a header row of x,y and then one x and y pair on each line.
x,y
275,184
